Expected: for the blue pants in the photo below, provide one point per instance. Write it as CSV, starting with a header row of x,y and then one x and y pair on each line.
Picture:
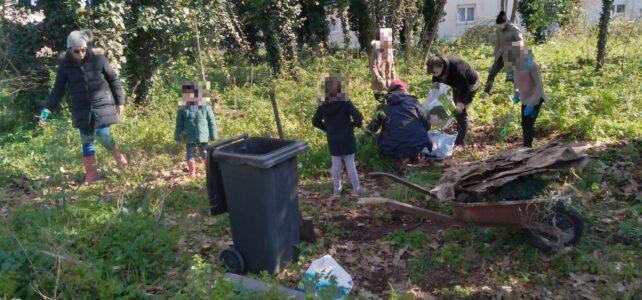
x,y
101,133
191,151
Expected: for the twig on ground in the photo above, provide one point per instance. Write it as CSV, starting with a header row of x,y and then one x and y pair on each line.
x,y
33,269
162,202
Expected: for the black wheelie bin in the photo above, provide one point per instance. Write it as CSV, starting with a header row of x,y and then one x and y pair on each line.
x,y
255,180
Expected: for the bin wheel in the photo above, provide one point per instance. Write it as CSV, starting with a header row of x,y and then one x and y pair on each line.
x,y
561,227
232,260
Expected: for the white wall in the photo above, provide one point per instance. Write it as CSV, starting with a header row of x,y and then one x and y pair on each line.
x,y
633,9
485,12
591,9
336,34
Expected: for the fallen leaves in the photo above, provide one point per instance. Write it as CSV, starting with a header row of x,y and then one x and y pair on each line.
x,y
579,284
396,261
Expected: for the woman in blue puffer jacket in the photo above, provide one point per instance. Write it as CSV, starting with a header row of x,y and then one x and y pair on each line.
x,y
96,98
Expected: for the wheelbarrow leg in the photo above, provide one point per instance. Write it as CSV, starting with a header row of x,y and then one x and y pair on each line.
x,y
412,210
418,211
407,208
400,180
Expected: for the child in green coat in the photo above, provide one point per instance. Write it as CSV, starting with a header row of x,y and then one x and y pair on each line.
x,y
195,122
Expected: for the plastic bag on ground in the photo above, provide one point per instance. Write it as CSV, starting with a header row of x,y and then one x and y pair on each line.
x,y
325,272
439,107
442,145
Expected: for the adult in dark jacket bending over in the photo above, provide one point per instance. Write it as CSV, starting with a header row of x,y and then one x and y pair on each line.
x,y
403,125
465,82
338,117
96,98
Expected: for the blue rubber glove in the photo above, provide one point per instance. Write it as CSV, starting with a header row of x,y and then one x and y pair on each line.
x,y
528,111
44,114
515,99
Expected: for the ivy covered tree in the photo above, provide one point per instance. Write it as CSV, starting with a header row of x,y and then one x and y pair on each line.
x,y
281,38
314,30
107,21
273,23
433,11
342,10
603,34
394,17
411,13
431,16
143,35
360,22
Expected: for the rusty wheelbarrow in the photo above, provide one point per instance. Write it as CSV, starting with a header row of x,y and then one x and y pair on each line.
x,y
550,223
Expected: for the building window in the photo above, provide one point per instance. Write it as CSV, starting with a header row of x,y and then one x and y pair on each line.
x,y
466,14
618,9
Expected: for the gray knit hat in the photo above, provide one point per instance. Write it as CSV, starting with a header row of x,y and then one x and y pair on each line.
x,y
78,38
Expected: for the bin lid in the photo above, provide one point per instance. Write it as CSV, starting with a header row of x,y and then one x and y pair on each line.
x,y
259,152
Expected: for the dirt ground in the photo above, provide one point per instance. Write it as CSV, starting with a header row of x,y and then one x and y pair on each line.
x,y
357,236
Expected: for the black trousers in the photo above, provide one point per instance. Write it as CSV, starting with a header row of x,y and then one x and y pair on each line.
x,y
497,66
528,124
462,127
466,97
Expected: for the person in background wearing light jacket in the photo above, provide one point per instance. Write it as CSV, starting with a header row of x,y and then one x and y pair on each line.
x,y
505,35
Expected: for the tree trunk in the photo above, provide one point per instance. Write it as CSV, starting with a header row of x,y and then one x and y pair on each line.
x,y
280,37
376,16
198,48
408,22
345,24
439,12
412,13
503,5
603,33
395,17
513,15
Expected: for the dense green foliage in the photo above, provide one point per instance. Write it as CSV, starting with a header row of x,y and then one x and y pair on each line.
x,y
98,250
141,35
543,17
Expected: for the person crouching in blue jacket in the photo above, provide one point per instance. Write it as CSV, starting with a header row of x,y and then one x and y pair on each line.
x,y
404,125
338,117
195,122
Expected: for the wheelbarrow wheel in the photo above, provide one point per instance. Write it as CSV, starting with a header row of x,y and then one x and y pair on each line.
x,y
561,227
232,260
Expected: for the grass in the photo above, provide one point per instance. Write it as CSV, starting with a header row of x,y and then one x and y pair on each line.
x,y
112,239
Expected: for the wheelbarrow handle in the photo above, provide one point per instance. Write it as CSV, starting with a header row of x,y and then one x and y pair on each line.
x,y
401,181
228,141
